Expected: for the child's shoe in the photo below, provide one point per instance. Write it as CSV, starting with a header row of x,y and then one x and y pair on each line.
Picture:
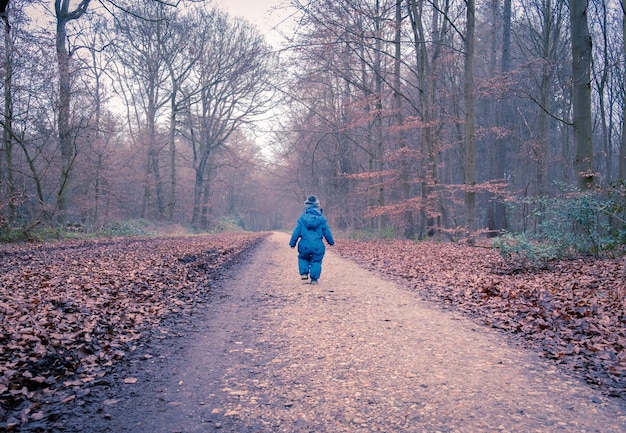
x,y
313,281
304,276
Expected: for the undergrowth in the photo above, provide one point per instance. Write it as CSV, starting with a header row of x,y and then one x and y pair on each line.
x,y
576,224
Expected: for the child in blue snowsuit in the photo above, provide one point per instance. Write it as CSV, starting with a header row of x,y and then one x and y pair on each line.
x,y
310,229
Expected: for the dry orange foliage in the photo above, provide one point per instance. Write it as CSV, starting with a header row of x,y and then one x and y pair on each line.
x,y
70,311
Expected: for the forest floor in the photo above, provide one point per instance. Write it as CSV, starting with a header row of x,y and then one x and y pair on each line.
x,y
143,335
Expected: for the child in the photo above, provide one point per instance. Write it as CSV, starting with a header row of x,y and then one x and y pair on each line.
x,y
310,229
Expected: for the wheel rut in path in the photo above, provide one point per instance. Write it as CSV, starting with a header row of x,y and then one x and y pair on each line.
x,y
354,353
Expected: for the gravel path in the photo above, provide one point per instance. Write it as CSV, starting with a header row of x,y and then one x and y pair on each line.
x,y
354,353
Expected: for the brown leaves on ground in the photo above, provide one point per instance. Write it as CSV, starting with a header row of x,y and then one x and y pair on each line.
x,y
69,311
574,313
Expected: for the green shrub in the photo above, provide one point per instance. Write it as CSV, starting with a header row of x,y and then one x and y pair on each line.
x,y
8,235
134,227
520,251
579,223
229,223
26,232
576,223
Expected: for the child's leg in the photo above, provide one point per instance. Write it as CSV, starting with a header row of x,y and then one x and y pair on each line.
x,y
316,265
304,263
316,269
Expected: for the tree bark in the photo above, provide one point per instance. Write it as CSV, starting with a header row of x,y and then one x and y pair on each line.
x,y
409,229
496,211
622,148
378,117
7,133
171,199
581,95
470,119
66,144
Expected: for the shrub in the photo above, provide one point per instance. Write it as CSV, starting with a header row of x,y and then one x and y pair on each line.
x,y
522,252
134,227
576,223
230,223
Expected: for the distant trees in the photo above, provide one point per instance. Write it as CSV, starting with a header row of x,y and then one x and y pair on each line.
x,y
232,85
407,117
144,79
421,142
137,103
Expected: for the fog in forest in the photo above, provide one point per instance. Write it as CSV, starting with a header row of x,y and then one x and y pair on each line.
x,y
447,119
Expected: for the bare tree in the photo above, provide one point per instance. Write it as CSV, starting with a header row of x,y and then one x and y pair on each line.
x,y
622,147
470,118
7,130
143,79
429,42
234,87
24,76
581,95
66,141
180,51
496,211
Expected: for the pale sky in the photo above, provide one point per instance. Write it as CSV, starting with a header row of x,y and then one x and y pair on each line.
x,y
265,14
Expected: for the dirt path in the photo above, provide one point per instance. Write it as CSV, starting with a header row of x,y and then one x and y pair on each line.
x,y
352,354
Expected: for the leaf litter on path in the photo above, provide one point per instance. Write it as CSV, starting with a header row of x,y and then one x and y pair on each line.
x,y
70,311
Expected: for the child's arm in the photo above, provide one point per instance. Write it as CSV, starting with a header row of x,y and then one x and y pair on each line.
x,y
327,234
295,235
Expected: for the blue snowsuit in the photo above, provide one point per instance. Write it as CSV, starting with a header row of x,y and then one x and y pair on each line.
x,y
310,229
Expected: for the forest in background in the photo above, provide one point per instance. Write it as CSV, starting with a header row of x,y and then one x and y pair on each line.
x,y
408,118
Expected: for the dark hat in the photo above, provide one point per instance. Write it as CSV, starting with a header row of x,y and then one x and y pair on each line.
x,y
312,202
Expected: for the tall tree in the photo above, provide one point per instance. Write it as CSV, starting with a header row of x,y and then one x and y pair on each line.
x,y
7,127
496,211
581,93
180,52
233,75
429,40
66,141
470,117
409,229
144,77
622,148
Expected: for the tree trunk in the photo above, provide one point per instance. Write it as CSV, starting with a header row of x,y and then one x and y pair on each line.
x,y
496,211
409,229
541,146
427,102
63,113
7,133
66,144
581,96
378,117
171,200
205,208
602,81
470,118
197,199
154,169
622,148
